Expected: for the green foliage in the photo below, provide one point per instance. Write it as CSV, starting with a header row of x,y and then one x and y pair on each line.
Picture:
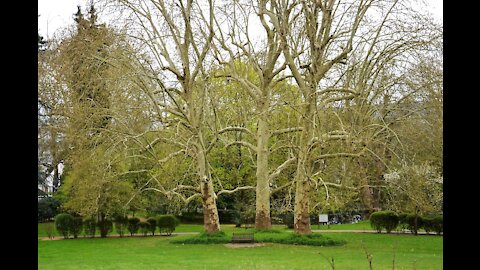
x,y
90,226
77,226
105,225
167,224
414,223
47,209
63,224
205,238
121,223
152,225
427,223
387,220
133,225
288,220
270,236
49,230
433,223
144,227
297,239
437,225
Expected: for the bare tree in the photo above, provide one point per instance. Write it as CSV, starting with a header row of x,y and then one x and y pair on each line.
x,y
315,36
242,55
177,35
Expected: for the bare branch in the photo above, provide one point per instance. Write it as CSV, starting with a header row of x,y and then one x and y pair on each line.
x,y
234,190
171,155
280,168
244,143
241,129
286,130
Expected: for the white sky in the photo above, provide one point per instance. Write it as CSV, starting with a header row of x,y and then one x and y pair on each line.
x,y
55,14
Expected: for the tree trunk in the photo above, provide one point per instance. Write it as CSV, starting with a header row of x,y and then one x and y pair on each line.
x,y
262,216
211,222
302,200
303,186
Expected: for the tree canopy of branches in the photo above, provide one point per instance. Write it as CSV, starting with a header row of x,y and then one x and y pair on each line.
x,y
313,105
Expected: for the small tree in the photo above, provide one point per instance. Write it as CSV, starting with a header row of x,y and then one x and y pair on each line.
x,y
133,225
90,227
49,230
167,224
153,225
77,226
63,224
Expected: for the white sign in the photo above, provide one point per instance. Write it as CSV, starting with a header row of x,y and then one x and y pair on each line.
x,y
323,218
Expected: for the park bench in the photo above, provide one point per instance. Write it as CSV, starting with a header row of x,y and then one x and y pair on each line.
x,y
242,238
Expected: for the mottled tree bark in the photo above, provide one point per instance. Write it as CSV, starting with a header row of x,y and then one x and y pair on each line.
x,y
262,203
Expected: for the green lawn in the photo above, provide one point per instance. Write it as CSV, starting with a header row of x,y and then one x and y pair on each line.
x,y
412,252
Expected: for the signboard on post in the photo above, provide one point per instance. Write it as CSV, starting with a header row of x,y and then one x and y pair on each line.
x,y
323,218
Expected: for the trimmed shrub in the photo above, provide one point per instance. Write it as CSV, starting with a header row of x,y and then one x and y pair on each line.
x,y
153,225
89,227
263,237
414,223
133,225
402,222
121,224
433,223
144,227
105,226
77,226
297,239
437,225
167,224
387,220
205,238
63,224
427,224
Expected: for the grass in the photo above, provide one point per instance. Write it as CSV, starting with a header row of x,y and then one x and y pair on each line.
x,y
423,252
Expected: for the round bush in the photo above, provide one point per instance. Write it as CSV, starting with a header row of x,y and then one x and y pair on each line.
x,y
63,224
153,225
90,226
121,223
77,226
414,223
167,224
402,221
438,224
144,227
105,226
133,225
387,220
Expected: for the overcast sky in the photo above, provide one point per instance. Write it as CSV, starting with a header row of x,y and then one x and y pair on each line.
x,y
55,14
